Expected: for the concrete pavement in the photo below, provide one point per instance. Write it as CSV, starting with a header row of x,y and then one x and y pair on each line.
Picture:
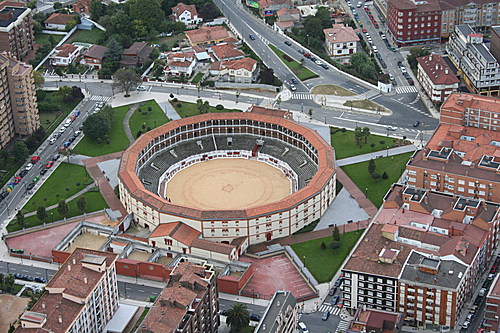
x,y
375,155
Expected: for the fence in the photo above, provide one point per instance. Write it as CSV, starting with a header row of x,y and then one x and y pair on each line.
x,y
65,38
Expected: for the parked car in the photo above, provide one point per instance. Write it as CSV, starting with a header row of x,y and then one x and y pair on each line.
x,y
67,144
415,124
403,69
303,327
49,164
335,300
43,172
35,179
35,159
77,133
224,312
29,166
491,276
375,49
23,173
340,304
28,278
470,316
139,88
325,315
301,51
30,186
18,276
332,291
400,64
338,282
307,55
255,317
391,128
55,157
252,37
325,66
52,141
288,43
466,324
17,180
62,129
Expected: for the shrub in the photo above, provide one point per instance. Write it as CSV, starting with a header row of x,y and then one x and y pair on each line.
x,y
323,246
139,110
108,142
77,184
375,175
149,128
287,58
219,107
382,142
175,100
150,109
67,189
343,130
335,245
384,175
179,105
372,145
139,133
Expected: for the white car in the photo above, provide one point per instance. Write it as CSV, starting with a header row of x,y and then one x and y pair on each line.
x,y
29,166
67,125
303,327
292,87
141,88
403,69
52,141
354,12
77,133
391,128
375,49
62,129
359,4
391,77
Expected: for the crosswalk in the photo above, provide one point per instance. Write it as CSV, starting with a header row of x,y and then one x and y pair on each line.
x,y
99,98
406,89
334,310
301,96
343,326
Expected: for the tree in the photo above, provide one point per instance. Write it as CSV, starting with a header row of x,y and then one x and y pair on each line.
x,y
20,219
366,133
336,234
209,11
313,27
20,151
32,5
1,278
335,245
112,57
9,282
96,126
39,79
371,166
358,135
125,80
416,52
41,213
323,246
57,5
68,152
63,208
97,9
147,14
238,317
82,204
384,175
266,76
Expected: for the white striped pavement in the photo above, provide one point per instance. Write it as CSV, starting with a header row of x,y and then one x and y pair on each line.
x,y
301,96
100,98
406,89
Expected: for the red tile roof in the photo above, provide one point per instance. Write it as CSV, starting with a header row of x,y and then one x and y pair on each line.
x,y
207,34
245,63
340,34
181,8
96,52
65,50
58,18
461,101
178,231
437,69
225,51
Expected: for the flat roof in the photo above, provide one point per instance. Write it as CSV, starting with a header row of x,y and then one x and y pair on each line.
x,y
121,318
16,13
279,304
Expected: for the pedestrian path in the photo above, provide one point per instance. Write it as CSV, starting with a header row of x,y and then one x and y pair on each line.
x,y
334,310
301,96
343,326
99,98
406,89
375,155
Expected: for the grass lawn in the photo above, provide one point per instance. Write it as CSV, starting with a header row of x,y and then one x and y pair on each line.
x,y
47,118
44,38
197,78
154,118
345,145
118,138
55,188
331,89
93,36
170,41
95,202
302,72
54,102
324,264
189,109
365,104
377,188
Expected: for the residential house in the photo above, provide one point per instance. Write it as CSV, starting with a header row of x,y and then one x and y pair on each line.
x,y
227,52
281,314
376,321
340,41
207,35
82,7
58,21
270,7
479,68
81,297
240,71
436,77
65,54
17,99
135,55
186,14
286,20
16,29
94,56
189,303
180,63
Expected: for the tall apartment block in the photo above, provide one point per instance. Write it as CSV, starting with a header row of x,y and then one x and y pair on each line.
x,y
463,155
492,309
81,297
18,107
477,65
280,315
189,303
16,29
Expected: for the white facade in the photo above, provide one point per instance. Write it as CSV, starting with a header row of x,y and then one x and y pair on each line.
x,y
65,58
341,49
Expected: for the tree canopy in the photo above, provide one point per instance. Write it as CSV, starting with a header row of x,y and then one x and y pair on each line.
x,y
238,317
125,80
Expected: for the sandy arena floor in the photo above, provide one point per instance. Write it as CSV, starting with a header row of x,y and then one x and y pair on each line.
x,y
87,241
228,184
11,308
139,255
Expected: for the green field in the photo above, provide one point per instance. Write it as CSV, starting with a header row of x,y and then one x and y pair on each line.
x,y
301,72
345,144
324,264
53,109
197,78
187,109
95,202
44,38
377,188
141,121
64,182
94,36
118,138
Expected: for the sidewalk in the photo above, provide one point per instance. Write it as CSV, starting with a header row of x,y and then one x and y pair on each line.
x,y
356,193
375,155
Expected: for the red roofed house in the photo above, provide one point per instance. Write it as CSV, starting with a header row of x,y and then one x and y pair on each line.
x,y
436,77
207,35
58,21
94,55
241,71
340,40
270,7
65,55
82,6
227,52
376,321
186,14
180,62
286,19
135,55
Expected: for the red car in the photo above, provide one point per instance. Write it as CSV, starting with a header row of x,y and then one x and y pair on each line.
x,y
35,159
17,180
364,30
375,25
49,165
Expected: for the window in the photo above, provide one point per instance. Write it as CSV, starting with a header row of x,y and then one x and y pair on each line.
x,y
461,182
471,184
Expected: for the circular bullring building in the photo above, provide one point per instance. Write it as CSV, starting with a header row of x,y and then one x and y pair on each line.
x,y
229,175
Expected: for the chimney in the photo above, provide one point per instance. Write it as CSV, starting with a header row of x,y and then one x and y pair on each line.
x,y
74,261
59,319
69,267
85,280
43,305
446,71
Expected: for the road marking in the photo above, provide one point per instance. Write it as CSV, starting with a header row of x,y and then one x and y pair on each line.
x,y
127,288
25,270
139,290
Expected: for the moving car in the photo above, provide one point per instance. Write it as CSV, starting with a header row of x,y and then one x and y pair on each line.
x,y
288,43
415,124
391,128
139,88
49,164
303,327
325,315
294,80
252,37
292,87
29,166
35,159
335,300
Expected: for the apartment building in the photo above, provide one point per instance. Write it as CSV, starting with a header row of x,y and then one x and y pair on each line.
x,y
436,77
189,303
471,110
19,110
411,23
478,67
280,315
492,309
422,256
16,29
81,297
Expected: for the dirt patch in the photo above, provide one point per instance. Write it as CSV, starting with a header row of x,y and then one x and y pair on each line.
x,y
87,241
331,89
11,307
139,255
165,260
365,104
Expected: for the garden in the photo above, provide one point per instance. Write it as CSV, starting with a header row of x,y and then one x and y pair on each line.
x,y
148,115
296,67
187,109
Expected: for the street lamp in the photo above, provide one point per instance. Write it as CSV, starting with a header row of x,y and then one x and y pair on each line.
x,y
304,261
366,192
387,151
51,217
